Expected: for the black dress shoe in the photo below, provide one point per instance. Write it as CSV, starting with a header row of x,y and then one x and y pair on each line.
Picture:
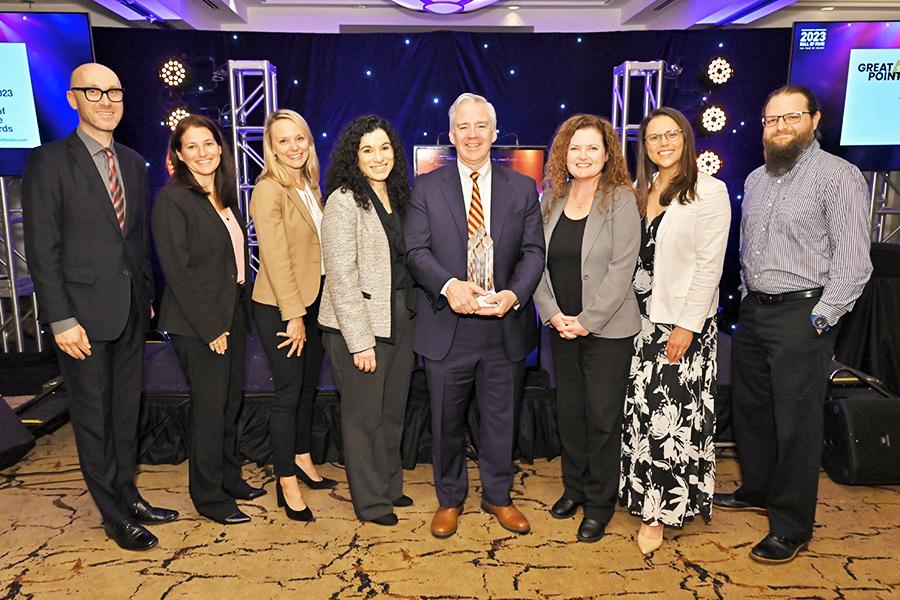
x,y
403,501
590,530
130,535
776,550
235,518
729,502
564,508
323,484
145,514
248,493
388,520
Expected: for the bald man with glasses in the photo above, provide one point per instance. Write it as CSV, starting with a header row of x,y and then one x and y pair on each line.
x,y
85,200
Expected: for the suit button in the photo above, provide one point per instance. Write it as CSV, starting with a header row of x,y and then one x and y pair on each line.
x,y
126,272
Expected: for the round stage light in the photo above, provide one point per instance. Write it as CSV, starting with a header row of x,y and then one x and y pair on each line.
x,y
719,71
713,119
172,72
444,7
709,162
175,116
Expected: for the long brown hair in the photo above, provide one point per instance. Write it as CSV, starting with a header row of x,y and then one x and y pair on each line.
x,y
225,184
683,186
556,174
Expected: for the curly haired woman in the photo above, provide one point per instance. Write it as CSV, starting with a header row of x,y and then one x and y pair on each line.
x,y
592,228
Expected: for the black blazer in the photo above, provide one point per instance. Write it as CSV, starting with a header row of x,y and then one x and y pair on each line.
x,y
81,263
197,258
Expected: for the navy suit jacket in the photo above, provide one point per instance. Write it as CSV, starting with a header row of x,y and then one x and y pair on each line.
x,y
436,239
81,263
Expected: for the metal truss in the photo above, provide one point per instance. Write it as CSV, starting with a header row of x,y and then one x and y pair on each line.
x,y
252,92
885,216
15,283
652,72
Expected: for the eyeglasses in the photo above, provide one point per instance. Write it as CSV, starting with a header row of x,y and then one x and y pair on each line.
x,y
672,135
791,118
95,94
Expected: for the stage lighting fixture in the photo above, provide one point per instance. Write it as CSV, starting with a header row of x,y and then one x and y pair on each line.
x,y
446,7
719,71
173,72
175,116
713,119
709,162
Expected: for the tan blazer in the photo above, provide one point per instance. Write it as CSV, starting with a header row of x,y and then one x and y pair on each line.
x,y
609,251
689,255
290,270
357,295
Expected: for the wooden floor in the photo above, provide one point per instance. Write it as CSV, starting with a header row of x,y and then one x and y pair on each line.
x,y
52,546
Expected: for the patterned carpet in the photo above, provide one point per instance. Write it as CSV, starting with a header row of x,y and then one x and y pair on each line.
x,y
52,546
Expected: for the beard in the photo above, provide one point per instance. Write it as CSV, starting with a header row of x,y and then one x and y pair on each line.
x,y
781,159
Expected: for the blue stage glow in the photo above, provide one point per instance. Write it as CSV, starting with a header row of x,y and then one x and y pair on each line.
x,y
485,46
368,73
512,71
406,41
579,40
296,82
436,100
562,106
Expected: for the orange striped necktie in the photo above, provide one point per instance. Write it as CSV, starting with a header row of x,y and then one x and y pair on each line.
x,y
476,212
115,188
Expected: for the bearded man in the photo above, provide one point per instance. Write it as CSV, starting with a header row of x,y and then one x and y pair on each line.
x,y
804,262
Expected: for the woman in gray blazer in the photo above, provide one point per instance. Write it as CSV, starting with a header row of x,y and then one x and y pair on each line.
x,y
365,312
592,228
668,455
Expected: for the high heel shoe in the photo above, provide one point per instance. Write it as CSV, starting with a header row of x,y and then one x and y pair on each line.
x,y
294,515
648,545
324,484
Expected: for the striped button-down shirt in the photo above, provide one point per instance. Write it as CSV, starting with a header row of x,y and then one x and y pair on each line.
x,y
806,229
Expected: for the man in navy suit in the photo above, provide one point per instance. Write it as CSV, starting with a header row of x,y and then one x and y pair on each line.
x,y
84,200
465,342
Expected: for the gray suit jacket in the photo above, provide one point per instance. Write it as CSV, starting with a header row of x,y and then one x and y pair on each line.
x,y
609,253
356,299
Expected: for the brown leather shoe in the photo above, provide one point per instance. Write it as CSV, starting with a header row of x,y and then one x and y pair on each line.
x,y
509,517
444,522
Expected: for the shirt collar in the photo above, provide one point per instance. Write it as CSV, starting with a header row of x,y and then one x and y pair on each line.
x,y
91,144
465,171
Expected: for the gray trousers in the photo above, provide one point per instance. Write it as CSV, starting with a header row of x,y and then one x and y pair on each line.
x,y
373,411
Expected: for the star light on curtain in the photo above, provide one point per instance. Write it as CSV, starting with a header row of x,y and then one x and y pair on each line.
x,y
444,7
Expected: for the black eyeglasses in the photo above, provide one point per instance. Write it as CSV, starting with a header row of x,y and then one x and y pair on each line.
x,y
791,118
95,94
655,139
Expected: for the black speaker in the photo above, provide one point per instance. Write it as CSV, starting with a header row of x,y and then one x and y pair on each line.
x,y
15,439
862,432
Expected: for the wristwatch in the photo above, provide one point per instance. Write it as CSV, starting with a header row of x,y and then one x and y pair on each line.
x,y
819,322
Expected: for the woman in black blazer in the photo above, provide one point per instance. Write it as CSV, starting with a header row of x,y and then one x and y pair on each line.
x,y
199,236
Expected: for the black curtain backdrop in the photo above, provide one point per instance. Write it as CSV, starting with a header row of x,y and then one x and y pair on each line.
x,y
534,80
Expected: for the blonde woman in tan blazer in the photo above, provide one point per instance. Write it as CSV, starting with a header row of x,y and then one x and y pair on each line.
x,y
287,215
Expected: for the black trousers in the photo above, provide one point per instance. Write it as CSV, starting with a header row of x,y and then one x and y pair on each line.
x,y
104,396
296,380
591,383
779,376
373,410
217,388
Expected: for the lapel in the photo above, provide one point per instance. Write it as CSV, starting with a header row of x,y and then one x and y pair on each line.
x,y
453,196
553,219
592,228
297,201
87,170
499,207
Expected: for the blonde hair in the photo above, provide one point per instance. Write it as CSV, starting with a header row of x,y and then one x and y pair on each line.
x,y
470,97
273,169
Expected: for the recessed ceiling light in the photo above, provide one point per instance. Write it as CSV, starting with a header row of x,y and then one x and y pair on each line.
x,y
513,7
827,8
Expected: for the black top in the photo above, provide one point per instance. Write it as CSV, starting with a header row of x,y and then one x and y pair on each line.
x,y
564,263
401,280
648,242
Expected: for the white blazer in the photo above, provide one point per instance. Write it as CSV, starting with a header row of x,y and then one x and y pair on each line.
x,y
688,257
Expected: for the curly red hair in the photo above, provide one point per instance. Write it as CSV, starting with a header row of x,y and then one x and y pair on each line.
x,y
556,175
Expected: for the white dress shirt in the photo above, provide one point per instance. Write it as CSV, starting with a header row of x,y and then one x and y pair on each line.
x,y
315,212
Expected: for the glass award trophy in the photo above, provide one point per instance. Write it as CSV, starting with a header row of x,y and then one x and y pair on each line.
x,y
480,263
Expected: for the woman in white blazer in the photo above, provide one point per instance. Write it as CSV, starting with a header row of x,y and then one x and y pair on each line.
x,y
668,456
